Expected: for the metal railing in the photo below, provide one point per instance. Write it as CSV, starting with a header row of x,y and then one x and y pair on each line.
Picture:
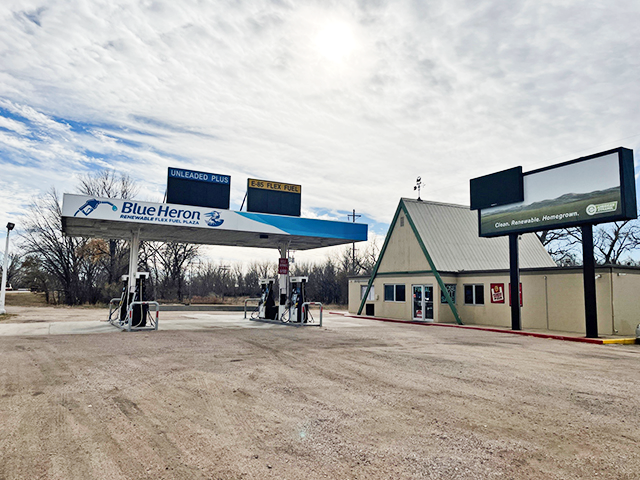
x,y
151,321
285,319
249,300
305,306
117,302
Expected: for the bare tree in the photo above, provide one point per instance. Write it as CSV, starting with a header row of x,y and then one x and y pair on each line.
x,y
15,271
108,184
564,245
613,243
614,240
255,272
112,254
367,258
168,262
63,258
36,278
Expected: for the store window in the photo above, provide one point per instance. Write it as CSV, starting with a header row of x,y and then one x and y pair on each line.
x,y
394,293
363,289
474,294
451,288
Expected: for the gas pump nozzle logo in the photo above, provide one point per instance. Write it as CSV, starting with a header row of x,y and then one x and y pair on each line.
x,y
90,205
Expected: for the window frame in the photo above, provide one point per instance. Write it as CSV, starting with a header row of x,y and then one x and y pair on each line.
x,y
454,297
395,292
372,295
474,291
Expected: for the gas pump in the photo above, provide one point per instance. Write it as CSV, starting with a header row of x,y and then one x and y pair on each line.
x,y
283,283
297,314
286,303
139,313
267,309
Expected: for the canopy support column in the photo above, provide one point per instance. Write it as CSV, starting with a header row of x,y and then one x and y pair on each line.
x,y
134,250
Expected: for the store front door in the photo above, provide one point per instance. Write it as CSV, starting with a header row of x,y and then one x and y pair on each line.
x,y
423,302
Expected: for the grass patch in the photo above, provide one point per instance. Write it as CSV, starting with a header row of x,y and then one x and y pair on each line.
x,y
26,299
7,316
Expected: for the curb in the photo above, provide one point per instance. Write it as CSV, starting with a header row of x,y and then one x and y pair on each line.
x,y
596,341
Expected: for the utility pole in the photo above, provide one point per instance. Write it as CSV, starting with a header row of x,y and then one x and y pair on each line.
x,y
353,245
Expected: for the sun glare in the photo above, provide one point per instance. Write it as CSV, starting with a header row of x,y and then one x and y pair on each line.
x,y
335,42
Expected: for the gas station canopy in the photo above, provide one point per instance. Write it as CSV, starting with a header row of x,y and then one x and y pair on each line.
x,y
113,218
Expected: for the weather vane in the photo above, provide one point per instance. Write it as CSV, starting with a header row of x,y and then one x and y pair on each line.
x,y
419,185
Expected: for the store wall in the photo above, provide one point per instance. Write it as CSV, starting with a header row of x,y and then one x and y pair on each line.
x,y
626,301
554,300
395,310
403,252
443,313
494,314
354,293
403,310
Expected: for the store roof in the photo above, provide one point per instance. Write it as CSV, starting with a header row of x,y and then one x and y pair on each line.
x,y
450,235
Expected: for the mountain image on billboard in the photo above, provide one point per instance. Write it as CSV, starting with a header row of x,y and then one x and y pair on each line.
x,y
587,191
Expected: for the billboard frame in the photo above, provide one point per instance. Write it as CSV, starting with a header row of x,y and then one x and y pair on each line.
x,y
628,211
627,195
198,189
274,198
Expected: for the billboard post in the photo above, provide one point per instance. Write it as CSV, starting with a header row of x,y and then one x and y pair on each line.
x,y
514,278
589,280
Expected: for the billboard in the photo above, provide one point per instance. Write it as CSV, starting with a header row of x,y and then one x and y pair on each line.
x,y
264,196
200,189
484,193
590,190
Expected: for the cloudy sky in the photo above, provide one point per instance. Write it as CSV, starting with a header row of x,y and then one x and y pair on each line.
x,y
353,100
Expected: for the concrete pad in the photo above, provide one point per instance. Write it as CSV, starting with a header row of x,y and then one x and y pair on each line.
x,y
175,321
89,326
12,329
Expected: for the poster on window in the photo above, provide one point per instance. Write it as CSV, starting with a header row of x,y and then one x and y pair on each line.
x,y
510,294
497,293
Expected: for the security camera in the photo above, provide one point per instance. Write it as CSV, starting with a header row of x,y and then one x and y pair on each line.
x,y
10,226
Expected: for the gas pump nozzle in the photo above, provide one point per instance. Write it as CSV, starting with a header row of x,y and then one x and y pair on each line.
x,y
90,205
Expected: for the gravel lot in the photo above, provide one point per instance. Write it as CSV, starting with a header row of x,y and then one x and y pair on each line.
x,y
354,399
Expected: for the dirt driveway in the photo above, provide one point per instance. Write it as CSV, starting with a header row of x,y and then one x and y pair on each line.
x,y
361,400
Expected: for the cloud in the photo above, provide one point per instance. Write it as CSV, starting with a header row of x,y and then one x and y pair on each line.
x,y
445,90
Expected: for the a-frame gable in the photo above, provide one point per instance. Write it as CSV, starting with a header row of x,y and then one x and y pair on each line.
x,y
403,253
401,241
